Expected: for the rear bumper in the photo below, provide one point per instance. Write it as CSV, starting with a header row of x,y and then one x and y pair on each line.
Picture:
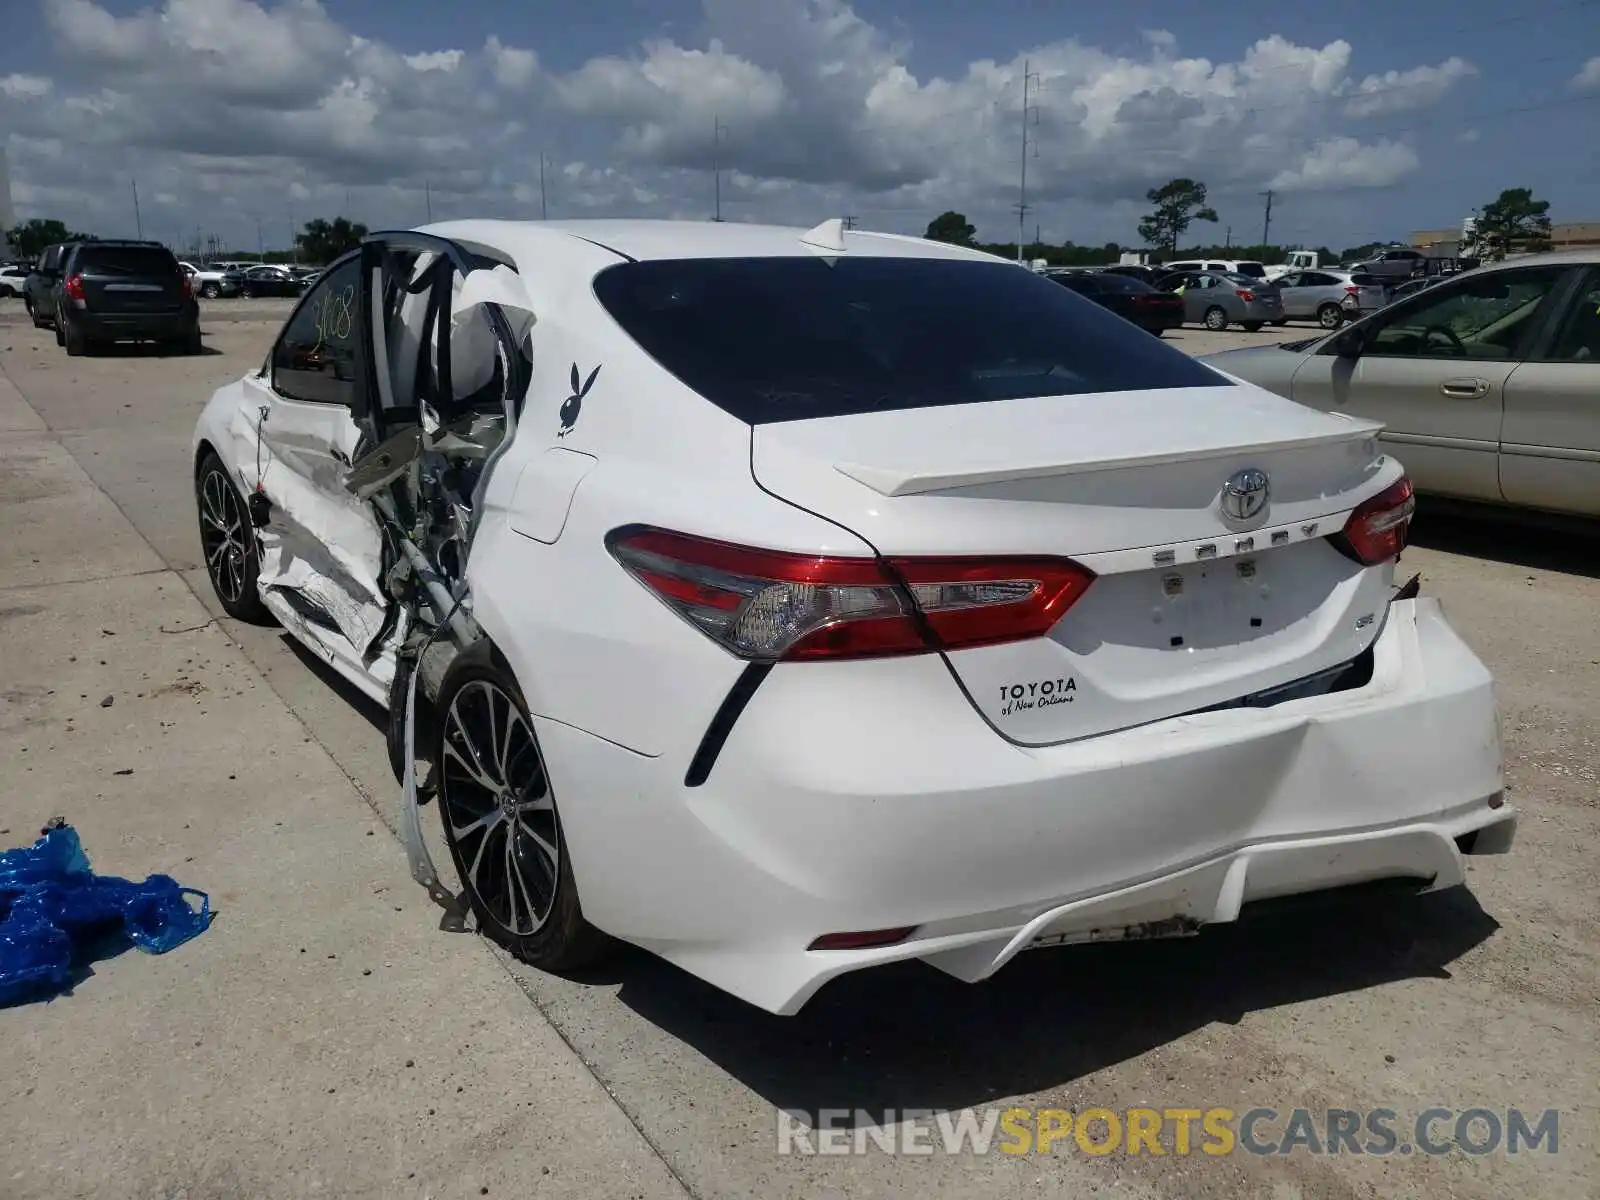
x,y
155,326
873,798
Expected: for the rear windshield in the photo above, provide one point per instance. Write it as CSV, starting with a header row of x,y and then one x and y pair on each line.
x,y
1361,279
1253,269
787,339
127,260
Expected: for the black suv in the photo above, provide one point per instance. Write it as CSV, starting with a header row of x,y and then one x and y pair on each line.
x,y
37,288
118,291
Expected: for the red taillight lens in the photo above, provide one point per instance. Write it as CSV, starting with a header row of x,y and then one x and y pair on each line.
x,y
1246,294
1352,290
1376,531
74,287
769,605
188,286
865,940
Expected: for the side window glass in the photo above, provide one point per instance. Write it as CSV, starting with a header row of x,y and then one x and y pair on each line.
x,y
315,356
1490,318
1579,337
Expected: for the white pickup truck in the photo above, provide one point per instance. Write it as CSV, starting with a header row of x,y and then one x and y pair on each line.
x,y
210,282
1298,260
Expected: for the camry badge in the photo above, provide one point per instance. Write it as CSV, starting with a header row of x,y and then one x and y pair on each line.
x,y
1245,495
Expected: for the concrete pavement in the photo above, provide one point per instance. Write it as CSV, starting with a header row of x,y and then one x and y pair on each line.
x,y
638,1080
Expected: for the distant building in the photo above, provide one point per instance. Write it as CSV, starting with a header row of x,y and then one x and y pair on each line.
x,y
1568,235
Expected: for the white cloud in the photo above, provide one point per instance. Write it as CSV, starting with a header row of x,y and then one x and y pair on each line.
x,y
25,87
1343,162
1467,137
1403,91
1588,77
260,106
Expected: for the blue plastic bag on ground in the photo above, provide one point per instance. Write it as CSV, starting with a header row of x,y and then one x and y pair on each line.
x,y
56,913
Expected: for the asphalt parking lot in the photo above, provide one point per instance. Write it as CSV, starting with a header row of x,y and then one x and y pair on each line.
x,y
335,1033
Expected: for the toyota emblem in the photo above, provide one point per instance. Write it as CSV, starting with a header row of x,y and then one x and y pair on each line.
x,y
1245,495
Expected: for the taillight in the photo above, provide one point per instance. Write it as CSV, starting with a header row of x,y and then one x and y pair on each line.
x,y
73,287
769,605
188,286
1376,531
1246,294
1352,290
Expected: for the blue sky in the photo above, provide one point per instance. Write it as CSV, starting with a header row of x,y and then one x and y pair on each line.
x,y
237,117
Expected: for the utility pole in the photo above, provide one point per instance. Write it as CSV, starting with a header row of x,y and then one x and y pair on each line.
x,y
1227,239
261,242
717,130
849,222
427,193
544,206
294,238
138,224
1030,115
1266,223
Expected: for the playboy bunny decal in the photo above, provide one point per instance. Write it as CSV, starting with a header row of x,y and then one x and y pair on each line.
x,y
574,403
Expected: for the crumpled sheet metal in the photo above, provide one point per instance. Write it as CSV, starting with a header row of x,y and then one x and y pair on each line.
x,y
56,914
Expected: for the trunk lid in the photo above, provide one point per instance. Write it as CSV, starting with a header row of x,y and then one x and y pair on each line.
x,y
1191,608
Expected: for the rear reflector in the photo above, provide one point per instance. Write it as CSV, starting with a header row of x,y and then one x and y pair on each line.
x,y
862,941
1376,531
770,605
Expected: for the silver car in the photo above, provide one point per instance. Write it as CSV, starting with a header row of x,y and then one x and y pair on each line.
x,y
1216,299
1486,382
1330,298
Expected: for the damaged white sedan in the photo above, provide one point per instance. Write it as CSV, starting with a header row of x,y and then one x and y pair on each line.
x,y
790,602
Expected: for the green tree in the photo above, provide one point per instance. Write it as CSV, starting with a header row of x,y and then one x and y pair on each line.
x,y
1179,204
32,236
1514,222
323,241
952,227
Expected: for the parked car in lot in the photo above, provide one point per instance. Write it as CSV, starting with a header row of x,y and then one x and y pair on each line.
x,y
269,281
210,282
113,291
1215,300
1330,298
788,673
13,280
1396,264
1131,299
1485,381
1231,266
38,288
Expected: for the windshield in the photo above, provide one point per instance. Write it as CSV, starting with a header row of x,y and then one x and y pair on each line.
x,y
786,339
1253,269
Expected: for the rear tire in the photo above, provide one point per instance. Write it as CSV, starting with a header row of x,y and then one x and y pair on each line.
x,y
1330,316
500,819
228,543
72,338
190,342
210,291
1215,319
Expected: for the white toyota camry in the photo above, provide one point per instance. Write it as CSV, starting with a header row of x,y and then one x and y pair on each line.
x,y
789,602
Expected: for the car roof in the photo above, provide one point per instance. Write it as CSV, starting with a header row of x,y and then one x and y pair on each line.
x,y
645,240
